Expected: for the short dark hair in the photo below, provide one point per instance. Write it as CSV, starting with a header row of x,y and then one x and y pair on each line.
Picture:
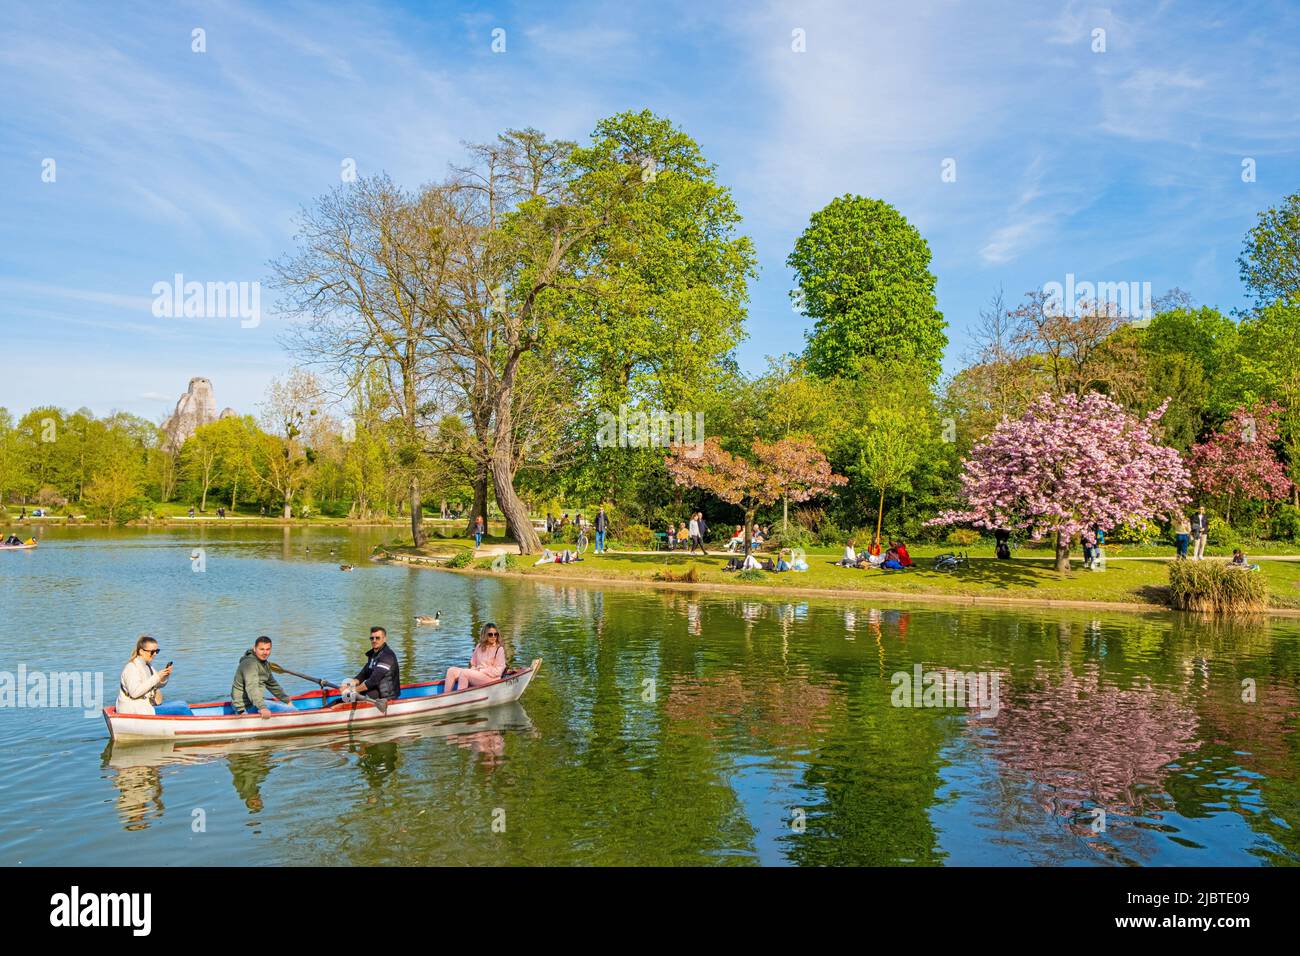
x,y
262,640
380,630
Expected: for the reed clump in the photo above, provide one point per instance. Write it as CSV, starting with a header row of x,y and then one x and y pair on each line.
x,y
1216,587
690,576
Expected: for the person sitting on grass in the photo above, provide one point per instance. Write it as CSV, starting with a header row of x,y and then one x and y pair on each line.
x,y
900,549
891,562
1239,561
781,563
850,559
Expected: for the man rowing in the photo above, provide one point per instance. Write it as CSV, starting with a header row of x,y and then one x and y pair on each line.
x,y
381,678
253,680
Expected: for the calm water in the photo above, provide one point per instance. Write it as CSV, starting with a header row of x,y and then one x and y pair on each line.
x,y
665,727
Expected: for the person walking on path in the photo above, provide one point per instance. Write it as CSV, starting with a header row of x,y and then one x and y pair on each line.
x,y
602,525
479,528
1200,532
704,529
1182,534
694,531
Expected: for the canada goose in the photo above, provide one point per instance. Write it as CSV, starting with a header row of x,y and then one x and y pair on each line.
x,y
345,567
435,621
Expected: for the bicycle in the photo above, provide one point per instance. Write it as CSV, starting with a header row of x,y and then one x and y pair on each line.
x,y
581,544
948,563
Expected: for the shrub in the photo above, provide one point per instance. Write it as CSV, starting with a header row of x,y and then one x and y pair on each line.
x,y
963,537
751,574
1215,586
637,537
690,576
1286,523
461,560
793,537
1222,534
1139,532
829,533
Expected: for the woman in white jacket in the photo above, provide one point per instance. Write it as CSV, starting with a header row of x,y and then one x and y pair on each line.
x,y
138,688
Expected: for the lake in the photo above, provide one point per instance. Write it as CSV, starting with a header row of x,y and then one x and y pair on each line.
x,y
667,727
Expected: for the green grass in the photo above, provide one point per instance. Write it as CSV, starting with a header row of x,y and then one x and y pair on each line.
x,y
1122,582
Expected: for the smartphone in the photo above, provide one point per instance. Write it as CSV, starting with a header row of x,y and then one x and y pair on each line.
x,y
169,664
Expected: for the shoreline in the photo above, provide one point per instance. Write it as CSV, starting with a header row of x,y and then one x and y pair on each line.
x,y
1138,607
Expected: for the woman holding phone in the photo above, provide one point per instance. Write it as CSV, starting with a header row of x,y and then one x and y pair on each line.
x,y
138,691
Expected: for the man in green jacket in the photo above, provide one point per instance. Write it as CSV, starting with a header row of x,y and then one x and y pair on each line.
x,y
253,679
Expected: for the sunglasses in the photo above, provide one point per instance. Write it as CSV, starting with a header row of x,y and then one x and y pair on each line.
x,y
493,634
376,637
151,650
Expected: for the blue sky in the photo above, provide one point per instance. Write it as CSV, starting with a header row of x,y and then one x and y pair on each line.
x,y
1122,165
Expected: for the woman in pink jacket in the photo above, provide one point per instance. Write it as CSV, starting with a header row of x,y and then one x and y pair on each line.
x,y
487,664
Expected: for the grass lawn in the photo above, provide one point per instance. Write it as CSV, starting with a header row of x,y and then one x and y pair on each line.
x,y
1030,575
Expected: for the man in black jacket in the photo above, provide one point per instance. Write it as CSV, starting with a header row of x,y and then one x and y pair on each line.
x,y
380,679
1200,533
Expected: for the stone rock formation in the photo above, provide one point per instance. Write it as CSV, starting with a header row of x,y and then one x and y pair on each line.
x,y
196,407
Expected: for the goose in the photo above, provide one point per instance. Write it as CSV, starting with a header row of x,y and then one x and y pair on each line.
x,y
345,567
435,621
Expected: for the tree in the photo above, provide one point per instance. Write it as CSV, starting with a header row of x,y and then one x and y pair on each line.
x,y
199,461
1238,461
1270,256
281,452
888,451
112,489
863,273
11,472
1066,464
792,468
369,278
1270,349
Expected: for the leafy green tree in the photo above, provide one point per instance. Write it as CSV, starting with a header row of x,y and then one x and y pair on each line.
x,y
112,491
1270,256
864,276
1270,349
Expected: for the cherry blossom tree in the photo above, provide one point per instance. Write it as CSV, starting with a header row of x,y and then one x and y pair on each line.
x,y
1238,461
1066,464
792,468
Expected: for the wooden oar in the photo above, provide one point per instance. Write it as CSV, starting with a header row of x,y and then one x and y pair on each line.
x,y
322,683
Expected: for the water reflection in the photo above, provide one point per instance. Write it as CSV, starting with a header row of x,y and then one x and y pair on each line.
x,y
134,768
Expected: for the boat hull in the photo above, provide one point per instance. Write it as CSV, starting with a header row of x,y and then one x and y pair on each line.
x,y
310,716
16,547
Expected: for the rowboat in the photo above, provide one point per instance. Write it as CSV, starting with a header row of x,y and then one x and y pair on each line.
x,y
17,547
136,753
315,712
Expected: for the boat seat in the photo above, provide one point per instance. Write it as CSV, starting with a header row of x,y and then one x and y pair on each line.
x,y
176,708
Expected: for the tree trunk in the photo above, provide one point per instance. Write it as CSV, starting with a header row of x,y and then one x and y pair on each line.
x,y
749,526
288,506
502,466
234,490
480,500
785,514
417,513
515,511
1062,552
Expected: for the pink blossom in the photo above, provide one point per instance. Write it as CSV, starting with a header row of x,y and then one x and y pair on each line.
x,y
1069,463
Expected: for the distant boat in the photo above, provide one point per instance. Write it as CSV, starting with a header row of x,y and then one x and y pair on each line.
x,y
26,546
314,712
